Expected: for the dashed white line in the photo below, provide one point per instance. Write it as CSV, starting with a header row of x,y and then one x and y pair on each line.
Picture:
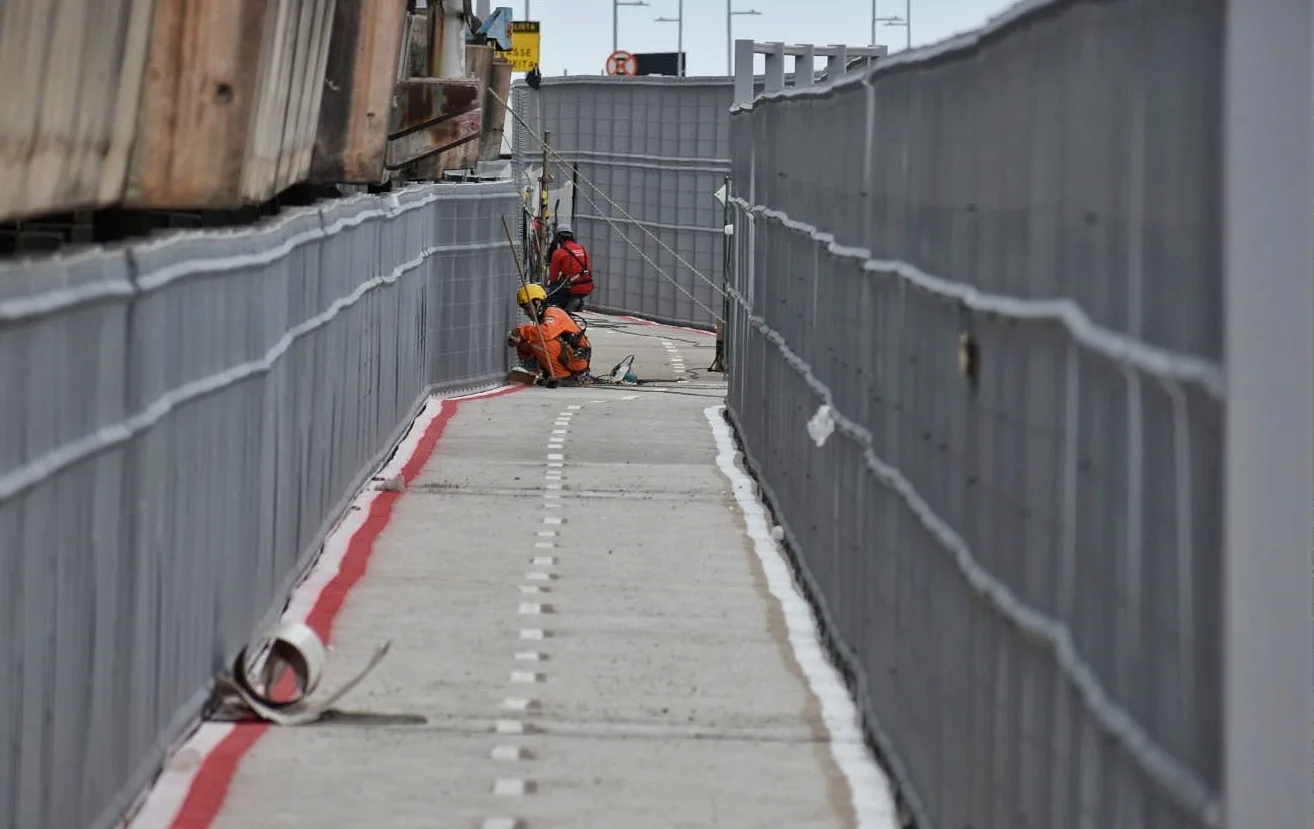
x,y
502,823
530,656
554,520
508,753
525,678
511,786
530,609
519,704
544,545
530,589
535,575
531,635
509,727
544,561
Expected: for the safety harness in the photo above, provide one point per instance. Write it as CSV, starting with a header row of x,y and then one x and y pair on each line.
x,y
585,276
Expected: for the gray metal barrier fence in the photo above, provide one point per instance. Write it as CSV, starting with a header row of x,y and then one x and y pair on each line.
x,y
181,422
993,269
650,152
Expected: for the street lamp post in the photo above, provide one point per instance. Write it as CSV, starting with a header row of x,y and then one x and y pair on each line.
x,y
729,36
905,21
678,20
890,21
615,18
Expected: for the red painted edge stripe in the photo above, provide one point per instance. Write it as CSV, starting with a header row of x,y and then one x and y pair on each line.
x,y
210,787
655,324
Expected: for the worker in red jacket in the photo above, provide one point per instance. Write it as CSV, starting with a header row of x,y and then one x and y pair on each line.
x,y
570,273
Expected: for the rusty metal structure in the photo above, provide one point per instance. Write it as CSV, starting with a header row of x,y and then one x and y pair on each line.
x,y
225,104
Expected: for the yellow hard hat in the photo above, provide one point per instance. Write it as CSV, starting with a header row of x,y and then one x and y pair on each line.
x,y
530,292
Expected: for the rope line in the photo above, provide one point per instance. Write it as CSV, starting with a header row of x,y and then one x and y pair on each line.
x,y
556,156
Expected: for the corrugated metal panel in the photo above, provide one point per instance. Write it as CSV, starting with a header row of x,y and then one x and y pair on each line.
x,y
360,78
119,595
73,79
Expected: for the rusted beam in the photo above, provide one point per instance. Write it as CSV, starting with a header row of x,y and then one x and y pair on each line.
x,y
351,141
430,115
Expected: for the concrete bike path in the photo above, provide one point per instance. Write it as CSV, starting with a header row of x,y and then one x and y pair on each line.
x,y
587,611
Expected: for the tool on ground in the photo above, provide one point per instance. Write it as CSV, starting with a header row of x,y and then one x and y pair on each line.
x,y
252,686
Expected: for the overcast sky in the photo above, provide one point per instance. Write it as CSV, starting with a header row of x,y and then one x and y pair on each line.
x,y
577,33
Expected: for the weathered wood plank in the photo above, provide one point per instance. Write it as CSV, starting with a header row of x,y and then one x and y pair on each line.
x,y
314,84
200,94
72,72
363,62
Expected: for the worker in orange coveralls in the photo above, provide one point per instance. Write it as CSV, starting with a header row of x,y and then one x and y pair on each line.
x,y
570,273
555,348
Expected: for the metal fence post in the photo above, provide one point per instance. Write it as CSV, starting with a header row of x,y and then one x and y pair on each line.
x,y
775,67
804,72
743,72
837,63
1269,460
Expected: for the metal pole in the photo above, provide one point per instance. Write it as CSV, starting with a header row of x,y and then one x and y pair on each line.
x,y
544,182
1268,457
720,362
873,22
615,21
526,9
729,42
907,23
679,39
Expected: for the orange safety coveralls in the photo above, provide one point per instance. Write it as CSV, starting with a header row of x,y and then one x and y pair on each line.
x,y
557,361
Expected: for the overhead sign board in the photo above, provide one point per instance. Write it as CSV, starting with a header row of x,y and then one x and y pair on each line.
x,y
659,63
524,54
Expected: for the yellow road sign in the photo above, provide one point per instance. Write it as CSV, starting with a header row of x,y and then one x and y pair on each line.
x,y
524,45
